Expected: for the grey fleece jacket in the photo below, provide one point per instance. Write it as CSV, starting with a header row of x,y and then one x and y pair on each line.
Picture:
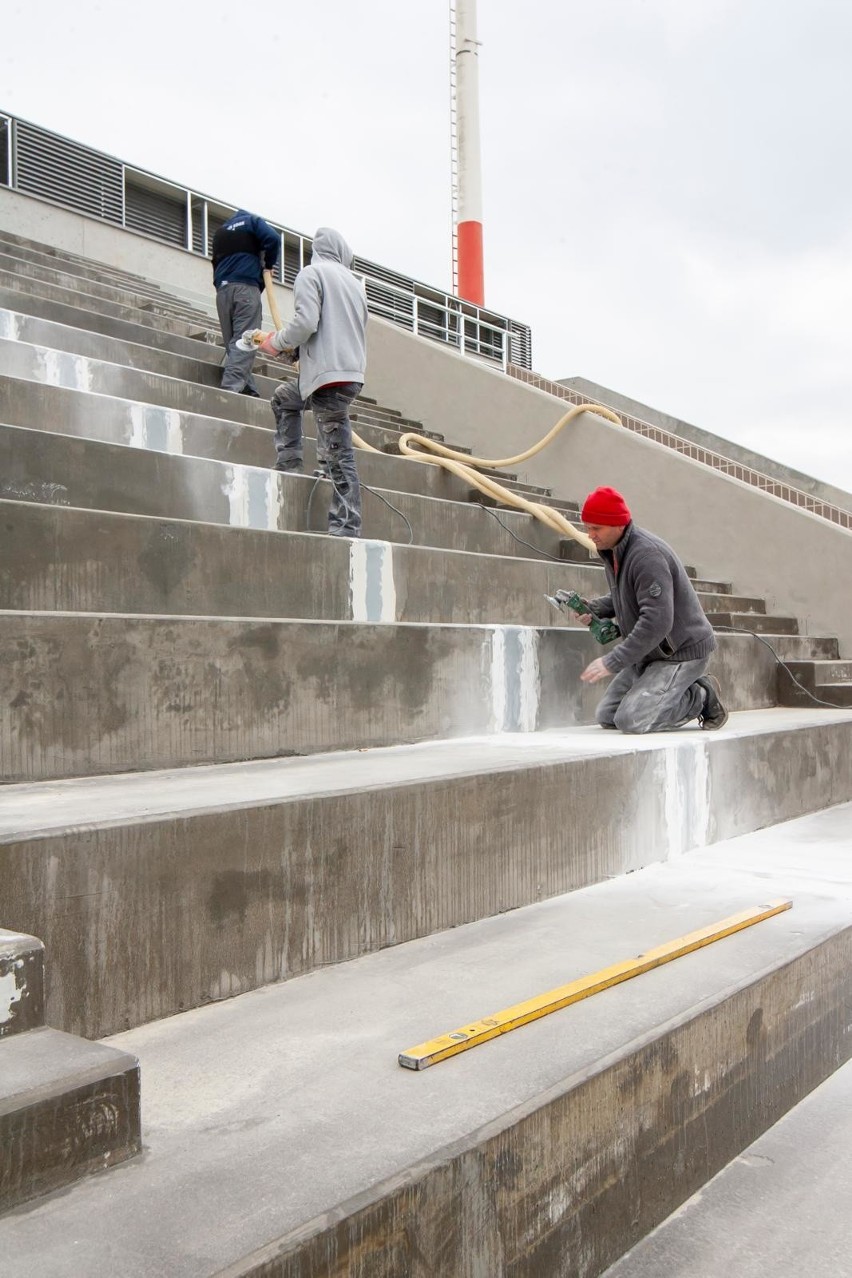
x,y
654,603
330,323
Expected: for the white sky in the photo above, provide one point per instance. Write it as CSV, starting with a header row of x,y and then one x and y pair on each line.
x,y
667,183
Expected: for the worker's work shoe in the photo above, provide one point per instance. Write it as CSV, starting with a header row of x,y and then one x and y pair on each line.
x,y
714,715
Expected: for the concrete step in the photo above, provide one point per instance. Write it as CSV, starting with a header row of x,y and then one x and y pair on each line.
x,y
550,1150
123,282
113,420
89,693
805,647
241,875
67,1108
712,587
71,316
25,286
20,246
760,624
715,602
803,682
47,255
21,983
61,558
71,279
47,468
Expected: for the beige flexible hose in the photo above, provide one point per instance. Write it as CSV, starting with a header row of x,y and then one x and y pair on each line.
x,y
464,466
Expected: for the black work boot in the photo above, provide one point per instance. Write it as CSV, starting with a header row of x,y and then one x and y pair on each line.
x,y
714,715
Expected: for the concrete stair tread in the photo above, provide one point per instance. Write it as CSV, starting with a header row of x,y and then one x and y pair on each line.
x,y
46,1062
34,808
298,1086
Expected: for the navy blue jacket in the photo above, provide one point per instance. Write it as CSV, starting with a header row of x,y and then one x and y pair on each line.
x,y
237,250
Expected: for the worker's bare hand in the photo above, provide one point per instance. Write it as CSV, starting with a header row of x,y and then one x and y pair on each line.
x,y
585,618
595,671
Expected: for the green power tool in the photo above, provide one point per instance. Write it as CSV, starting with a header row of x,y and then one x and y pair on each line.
x,y
603,628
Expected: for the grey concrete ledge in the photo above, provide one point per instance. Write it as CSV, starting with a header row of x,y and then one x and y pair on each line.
x,y
610,1112
241,876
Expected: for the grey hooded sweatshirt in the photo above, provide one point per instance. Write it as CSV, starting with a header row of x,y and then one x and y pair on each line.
x,y
330,323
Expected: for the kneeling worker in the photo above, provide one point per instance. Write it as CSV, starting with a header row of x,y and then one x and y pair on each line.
x,y
659,682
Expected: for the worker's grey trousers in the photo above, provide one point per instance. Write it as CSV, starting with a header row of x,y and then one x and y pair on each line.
x,y
659,698
239,308
330,407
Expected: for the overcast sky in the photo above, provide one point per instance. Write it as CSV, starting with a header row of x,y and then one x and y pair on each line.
x,y
667,183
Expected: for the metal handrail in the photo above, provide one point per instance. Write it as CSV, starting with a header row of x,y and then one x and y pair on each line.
x,y
186,220
706,456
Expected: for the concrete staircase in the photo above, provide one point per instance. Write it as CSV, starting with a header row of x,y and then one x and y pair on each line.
x,y
241,756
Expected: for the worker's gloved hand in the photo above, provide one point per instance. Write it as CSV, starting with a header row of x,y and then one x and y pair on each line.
x,y
267,347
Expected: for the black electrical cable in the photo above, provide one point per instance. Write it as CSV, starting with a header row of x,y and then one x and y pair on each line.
x,y
519,540
394,509
350,508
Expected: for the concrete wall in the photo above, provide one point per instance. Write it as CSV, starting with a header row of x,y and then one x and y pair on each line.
x,y
706,439
727,529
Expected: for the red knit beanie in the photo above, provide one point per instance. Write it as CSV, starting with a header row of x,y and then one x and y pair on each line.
x,y
606,507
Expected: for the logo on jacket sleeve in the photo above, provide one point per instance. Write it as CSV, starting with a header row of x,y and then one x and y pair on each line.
x,y
655,590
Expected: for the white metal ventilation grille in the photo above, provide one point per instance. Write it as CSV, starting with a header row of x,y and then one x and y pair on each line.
x,y
59,170
155,214
520,345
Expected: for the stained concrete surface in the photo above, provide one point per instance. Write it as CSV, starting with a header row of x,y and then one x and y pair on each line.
x,y
781,1208
266,1110
42,807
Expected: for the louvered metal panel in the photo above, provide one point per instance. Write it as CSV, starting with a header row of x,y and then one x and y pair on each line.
x,y
56,169
155,213
5,151
520,345
59,170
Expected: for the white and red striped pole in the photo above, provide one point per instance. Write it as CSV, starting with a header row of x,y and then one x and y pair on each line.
x,y
471,283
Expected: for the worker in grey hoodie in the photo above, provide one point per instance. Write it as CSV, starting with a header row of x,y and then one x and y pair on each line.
x,y
659,668
327,335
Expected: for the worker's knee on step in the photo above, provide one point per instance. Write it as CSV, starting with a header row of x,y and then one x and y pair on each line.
x,y
626,719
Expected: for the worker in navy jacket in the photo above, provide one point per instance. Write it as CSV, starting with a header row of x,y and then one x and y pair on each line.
x,y
242,249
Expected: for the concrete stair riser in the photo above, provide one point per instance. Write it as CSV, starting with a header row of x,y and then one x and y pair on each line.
x,y
57,558
566,1184
180,909
68,470
89,694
